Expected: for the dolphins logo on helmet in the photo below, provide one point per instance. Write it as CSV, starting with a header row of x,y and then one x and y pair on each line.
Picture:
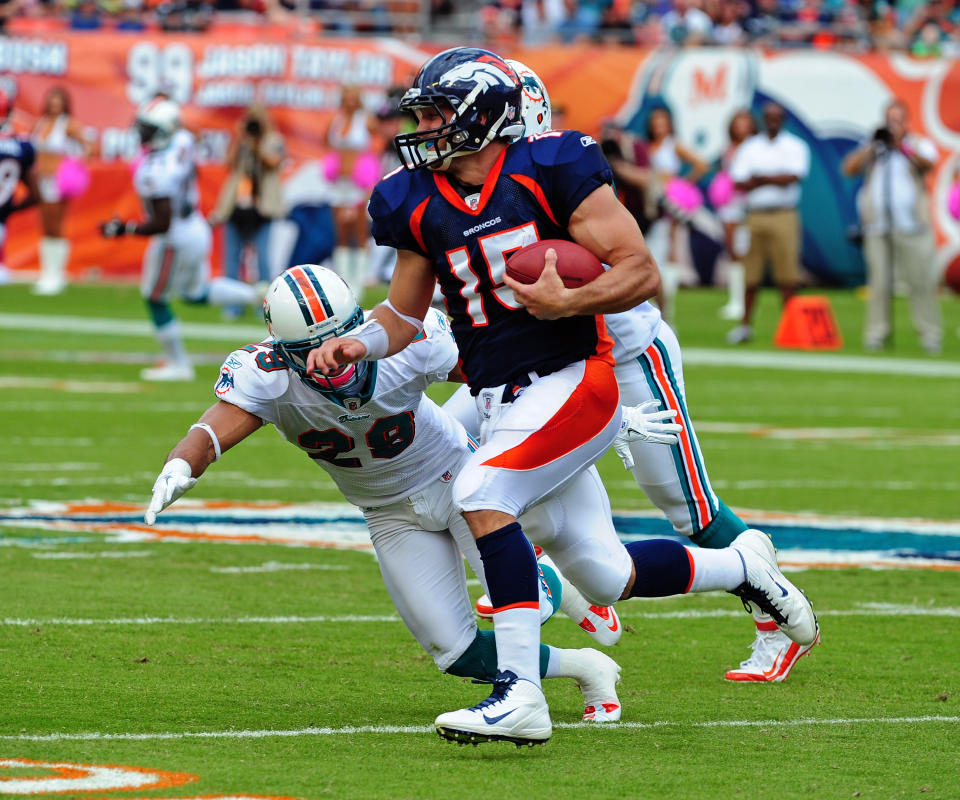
x,y
477,96
304,306
535,102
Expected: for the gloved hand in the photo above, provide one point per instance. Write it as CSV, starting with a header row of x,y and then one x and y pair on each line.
x,y
174,481
113,228
643,423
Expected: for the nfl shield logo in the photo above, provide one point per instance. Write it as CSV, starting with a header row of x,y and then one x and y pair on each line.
x,y
353,403
447,476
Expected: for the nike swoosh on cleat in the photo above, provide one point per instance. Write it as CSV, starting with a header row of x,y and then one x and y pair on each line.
x,y
783,592
495,720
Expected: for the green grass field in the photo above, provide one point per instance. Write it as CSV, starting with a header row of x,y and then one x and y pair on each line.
x,y
228,684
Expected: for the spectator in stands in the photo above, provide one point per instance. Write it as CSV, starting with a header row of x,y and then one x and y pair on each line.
x,y
251,197
898,238
353,169
60,143
8,10
727,29
686,24
769,167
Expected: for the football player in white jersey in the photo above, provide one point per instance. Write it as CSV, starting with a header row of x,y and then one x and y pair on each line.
x,y
391,451
649,368
176,261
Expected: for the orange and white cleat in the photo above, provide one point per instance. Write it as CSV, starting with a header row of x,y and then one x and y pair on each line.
x,y
598,679
774,656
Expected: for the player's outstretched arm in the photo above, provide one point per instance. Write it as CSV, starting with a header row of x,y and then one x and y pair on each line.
x,y
392,325
221,427
604,226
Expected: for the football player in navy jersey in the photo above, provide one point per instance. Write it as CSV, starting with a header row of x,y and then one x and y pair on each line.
x,y
536,358
17,157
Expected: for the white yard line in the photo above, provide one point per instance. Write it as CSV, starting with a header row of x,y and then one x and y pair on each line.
x,y
700,356
67,385
214,331
351,730
66,555
274,566
628,614
819,362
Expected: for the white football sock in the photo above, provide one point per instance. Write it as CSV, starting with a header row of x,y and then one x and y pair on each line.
x,y
54,254
170,337
229,292
517,632
716,569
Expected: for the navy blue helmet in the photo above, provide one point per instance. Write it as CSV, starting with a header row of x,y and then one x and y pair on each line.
x,y
477,94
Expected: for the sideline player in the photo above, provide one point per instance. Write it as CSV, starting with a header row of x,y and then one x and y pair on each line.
x,y
537,358
177,258
649,368
390,449
17,157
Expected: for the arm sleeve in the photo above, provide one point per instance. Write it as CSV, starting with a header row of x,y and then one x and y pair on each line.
x,y
570,167
252,379
433,353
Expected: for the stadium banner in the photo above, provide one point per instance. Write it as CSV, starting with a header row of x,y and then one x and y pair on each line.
x,y
833,101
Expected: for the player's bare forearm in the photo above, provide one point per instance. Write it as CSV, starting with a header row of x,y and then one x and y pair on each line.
x,y
604,226
230,424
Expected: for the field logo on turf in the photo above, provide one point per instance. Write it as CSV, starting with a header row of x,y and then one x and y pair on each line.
x,y
803,540
70,778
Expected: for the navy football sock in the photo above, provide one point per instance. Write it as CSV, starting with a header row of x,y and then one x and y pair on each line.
x,y
513,582
663,568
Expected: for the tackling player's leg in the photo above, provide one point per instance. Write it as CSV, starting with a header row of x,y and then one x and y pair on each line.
x,y
676,481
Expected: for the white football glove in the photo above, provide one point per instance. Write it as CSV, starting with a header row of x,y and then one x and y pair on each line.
x,y
174,481
643,423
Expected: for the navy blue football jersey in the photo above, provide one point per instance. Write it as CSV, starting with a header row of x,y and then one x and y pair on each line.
x,y
529,195
16,157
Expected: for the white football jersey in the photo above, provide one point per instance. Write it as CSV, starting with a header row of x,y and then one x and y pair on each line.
x,y
633,331
377,451
172,173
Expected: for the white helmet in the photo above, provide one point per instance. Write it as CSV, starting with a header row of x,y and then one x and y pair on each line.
x,y
304,306
157,121
535,102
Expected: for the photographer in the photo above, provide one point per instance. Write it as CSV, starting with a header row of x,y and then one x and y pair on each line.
x,y
251,196
897,235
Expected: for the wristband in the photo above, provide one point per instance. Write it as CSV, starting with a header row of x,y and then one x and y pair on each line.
x,y
417,323
130,227
374,337
213,437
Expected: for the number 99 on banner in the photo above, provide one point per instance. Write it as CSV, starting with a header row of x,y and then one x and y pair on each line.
x,y
151,69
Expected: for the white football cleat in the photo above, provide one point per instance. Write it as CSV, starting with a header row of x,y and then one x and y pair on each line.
x,y
599,680
767,588
168,372
516,711
772,659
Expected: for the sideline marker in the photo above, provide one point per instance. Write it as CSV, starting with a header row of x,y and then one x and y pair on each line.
x,y
808,323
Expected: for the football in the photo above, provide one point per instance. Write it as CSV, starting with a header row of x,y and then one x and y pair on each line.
x,y
575,264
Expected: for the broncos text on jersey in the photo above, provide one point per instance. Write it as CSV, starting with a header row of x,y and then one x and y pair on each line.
x,y
529,195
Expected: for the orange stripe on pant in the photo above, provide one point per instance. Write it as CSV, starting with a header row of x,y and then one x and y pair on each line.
x,y
583,416
685,444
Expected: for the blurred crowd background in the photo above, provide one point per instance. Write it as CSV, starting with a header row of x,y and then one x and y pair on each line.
x,y
924,29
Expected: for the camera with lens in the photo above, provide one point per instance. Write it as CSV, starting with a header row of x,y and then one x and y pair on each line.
x,y
253,127
883,136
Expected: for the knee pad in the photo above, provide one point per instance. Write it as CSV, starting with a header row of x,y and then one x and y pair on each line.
x,y
160,313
